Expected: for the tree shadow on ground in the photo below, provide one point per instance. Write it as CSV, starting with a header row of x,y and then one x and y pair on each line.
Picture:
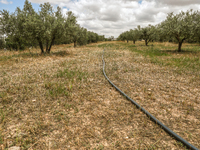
x,y
182,52
35,55
134,45
60,53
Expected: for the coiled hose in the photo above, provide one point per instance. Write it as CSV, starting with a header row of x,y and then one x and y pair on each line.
x,y
169,131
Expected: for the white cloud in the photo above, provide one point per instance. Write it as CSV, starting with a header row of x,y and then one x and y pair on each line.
x,y
111,17
5,2
178,2
50,1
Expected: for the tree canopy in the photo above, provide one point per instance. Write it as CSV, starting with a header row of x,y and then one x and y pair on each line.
x,y
27,27
147,34
179,27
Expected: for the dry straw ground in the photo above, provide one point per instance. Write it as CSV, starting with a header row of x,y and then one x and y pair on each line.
x,y
63,101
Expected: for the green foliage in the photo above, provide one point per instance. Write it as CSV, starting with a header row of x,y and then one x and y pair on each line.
x,y
2,44
124,36
77,34
147,33
180,26
196,27
133,35
82,40
12,26
176,28
44,28
72,27
92,37
101,38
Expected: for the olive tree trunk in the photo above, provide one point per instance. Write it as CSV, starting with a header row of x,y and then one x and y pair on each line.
x,y
180,42
146,42
41,45
179,46
75,44
52,41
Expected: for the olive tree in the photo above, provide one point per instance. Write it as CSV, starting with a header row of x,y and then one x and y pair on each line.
x,y
45,26
82,40
92,37
12,26
27,26
2,42
179,26
147,33
121,37
196,27
125,36
74,33
72,28
78,35
134,35
101,38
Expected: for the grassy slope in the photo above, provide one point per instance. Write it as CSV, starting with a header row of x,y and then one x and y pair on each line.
x,y
62,100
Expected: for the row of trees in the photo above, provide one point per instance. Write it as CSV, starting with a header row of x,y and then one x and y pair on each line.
x,y
43,28
176,27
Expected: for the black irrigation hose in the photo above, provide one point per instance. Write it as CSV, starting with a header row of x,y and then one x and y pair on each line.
x,y
170,132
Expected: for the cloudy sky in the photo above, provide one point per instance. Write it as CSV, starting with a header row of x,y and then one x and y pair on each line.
x,y
112,17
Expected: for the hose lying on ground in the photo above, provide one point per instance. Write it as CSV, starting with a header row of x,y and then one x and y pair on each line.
x,y
169,131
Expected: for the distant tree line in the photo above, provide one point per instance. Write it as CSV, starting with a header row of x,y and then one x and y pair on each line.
x,y
26,27
181,27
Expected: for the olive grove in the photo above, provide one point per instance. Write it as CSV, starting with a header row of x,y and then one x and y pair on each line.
x,y
44,28
176,27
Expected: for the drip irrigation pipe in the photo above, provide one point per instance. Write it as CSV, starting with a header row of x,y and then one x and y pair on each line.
x,y
169,131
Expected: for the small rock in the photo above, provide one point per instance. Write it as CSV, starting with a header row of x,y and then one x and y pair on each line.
x,y
149,93
14,148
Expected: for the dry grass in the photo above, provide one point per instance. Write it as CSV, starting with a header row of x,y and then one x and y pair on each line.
x,y
62,100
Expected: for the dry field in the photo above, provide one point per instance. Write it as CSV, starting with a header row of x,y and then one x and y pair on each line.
x,y
62,100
